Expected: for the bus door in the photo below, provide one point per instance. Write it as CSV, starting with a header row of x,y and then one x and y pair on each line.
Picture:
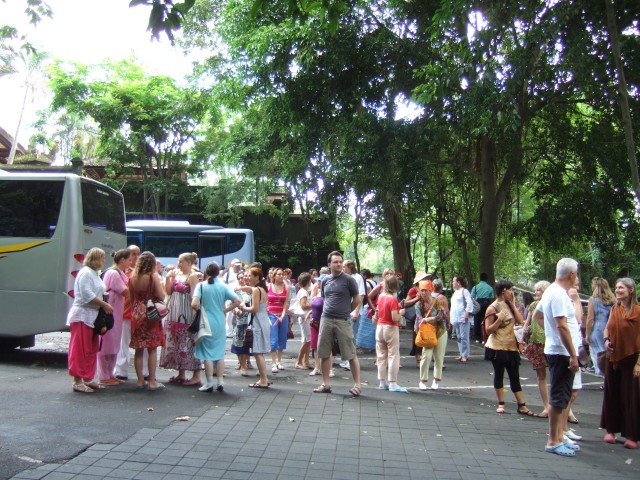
x,y
211,248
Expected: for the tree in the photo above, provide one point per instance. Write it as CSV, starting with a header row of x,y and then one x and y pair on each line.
x,y
147,124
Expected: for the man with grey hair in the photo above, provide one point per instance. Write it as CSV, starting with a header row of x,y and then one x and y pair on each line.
x,y
551,313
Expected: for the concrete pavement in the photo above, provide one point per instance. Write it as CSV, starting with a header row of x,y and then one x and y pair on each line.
x,y
290,432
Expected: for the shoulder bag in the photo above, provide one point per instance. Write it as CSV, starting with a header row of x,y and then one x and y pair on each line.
x,y
194,326
204,329
426,335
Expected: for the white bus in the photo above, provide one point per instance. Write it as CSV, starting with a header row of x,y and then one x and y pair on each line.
x,y
167,239
48,222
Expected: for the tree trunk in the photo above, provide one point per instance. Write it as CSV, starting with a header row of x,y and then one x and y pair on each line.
x,y
486,151
356,230
401,257
624,97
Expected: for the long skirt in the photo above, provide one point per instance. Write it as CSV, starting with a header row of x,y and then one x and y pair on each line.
x,y
621,401
366,338
83,351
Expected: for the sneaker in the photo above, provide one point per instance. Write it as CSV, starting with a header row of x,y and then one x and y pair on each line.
x,y
332,373
434,385
345,365
274,368
383,387
398,389
422,386
314,372
571,435
280,367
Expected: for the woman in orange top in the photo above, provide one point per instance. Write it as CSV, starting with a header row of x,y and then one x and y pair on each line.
x,y
621,402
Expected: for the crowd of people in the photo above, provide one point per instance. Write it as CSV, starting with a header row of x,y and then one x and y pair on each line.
x,y
342,312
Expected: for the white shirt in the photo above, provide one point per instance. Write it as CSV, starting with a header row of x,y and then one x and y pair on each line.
x,y
459,306
296,302
555,303
86,287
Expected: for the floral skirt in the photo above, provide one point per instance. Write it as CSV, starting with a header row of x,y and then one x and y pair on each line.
x,y
535,353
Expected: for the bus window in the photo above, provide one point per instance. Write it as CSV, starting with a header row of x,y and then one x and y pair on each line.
x,y
235,242
30,208
101,208
211,246
171,245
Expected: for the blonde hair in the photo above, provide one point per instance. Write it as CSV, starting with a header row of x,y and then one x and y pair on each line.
x,y
602,291
94,258
189,257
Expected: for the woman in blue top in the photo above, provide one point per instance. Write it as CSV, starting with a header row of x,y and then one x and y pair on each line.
x,y
598,311
212,295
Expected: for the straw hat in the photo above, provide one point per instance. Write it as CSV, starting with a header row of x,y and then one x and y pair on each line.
x,y
420,276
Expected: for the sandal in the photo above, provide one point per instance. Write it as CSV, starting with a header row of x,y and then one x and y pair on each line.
x,y
95,386
82,388
257,385
177,379
355,391
523,410
192,383
572,419
322,389
500,410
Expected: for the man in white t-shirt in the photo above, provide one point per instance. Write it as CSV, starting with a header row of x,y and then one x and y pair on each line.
x,y
552,313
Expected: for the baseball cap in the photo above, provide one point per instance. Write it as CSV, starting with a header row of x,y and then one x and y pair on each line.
x,y
235,261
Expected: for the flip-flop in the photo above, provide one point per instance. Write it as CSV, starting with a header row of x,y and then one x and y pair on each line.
x,y
144,386
560,449
257,385
155,389
542,415
95,386
177,380
572,419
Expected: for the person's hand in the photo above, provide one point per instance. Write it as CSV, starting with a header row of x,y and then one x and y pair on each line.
x,y
636,371
107,308
502,315
354,317
573,364
573,294
609,346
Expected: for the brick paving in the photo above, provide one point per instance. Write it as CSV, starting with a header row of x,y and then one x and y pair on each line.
x,y
288,432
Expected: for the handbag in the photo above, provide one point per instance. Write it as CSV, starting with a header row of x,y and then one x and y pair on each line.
x,y
156,310
103,323
194,326
248,335
426,336
204,329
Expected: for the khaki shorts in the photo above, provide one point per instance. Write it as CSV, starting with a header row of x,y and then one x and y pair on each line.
x,y
339,329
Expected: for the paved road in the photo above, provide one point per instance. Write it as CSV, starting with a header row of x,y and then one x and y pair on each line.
x,y
287,431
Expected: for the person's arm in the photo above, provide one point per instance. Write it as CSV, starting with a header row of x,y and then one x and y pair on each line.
x,y
591,316
407,302
375,292
195,300
356,301
233,305
255,302
114,282
515,311
158,290
468,304
285,305
493,320
538,316
577,306
565,337
304,302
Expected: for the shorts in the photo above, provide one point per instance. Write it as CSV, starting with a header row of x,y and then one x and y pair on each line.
x,y
340,330
561,381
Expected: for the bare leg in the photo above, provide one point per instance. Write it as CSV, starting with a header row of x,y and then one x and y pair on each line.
x,y
555,425
137,363
325,366
262,369
541,374
220,372
153,361
355,370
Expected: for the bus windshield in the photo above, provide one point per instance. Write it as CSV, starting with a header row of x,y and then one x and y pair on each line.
x,y
102,208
